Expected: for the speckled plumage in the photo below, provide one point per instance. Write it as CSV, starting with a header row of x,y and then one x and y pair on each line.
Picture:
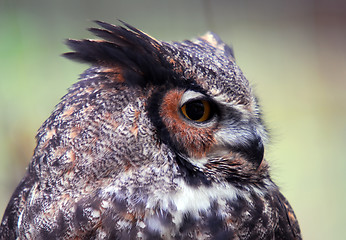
x,y
119,158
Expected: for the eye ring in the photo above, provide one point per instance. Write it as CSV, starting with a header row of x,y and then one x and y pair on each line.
x,y
198,110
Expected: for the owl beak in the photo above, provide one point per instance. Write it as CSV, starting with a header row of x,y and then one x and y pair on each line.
x,y
254,151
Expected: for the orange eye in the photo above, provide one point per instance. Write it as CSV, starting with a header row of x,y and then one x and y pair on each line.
x,y
197,110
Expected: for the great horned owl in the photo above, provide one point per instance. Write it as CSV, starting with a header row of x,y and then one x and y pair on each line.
x,y
156,141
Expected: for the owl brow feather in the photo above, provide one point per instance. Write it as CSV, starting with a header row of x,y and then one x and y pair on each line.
x,y
142,58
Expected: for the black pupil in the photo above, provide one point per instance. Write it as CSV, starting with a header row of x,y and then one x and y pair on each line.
x,y
195,110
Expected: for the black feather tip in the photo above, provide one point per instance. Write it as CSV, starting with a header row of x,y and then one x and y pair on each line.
x,y
142,58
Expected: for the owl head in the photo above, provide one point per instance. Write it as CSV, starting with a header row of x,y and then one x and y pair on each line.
x,y
186,101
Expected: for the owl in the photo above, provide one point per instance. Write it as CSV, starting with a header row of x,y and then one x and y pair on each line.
x,y
156,140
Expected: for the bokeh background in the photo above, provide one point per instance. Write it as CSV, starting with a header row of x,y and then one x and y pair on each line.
x,y
293,52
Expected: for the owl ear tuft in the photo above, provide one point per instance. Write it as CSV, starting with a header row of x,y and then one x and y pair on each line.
x,y
141,57
215,41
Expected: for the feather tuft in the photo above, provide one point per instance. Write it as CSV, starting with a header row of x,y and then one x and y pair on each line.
x,y
142,57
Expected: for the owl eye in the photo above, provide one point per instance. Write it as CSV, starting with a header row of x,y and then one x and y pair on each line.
x,y
197,110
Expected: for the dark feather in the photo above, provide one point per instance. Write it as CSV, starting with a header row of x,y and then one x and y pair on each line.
x,y
142,58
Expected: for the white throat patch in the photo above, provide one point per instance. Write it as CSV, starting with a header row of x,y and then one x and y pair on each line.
x,y
193,200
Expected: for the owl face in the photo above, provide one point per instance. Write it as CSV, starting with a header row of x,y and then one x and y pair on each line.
x,y
157,140
209,113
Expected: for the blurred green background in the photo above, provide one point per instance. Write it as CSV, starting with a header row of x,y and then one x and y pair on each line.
x,y
293,52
